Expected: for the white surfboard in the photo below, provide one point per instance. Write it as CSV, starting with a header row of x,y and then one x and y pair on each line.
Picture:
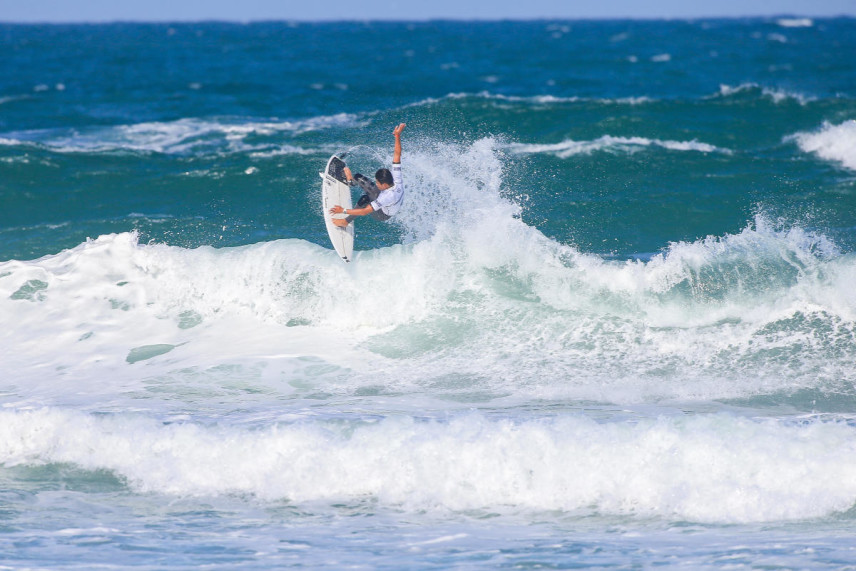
x,y
335,190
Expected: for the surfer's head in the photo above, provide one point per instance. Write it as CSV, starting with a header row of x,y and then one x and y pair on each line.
x,y
383,179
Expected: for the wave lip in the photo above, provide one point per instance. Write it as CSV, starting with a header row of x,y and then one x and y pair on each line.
x,y
836,143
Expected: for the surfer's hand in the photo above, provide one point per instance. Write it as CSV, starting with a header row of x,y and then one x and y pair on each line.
x,y
348,174
336,210
397,131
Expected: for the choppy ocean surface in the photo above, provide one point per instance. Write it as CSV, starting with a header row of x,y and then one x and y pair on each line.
x,y
614,325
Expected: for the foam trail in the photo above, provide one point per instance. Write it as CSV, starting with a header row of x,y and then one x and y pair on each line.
x,y
708,468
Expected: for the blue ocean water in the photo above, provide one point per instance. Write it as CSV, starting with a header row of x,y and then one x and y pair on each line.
x,y
614,325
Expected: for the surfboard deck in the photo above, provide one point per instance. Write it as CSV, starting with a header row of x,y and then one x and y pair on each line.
x,y
335,190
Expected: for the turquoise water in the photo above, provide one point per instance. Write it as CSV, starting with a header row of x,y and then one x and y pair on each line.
x,y
615,324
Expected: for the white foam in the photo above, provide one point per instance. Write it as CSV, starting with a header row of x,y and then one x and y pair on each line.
x,y
569,148
182,136
11,98
708,468
545,100
119,313
776,95
795,22
835,143
283,150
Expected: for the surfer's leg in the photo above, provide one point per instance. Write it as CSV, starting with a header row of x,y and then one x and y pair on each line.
x,y
370,193
363,201
368,187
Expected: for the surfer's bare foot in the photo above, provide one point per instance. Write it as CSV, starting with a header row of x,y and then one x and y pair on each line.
x,y
341,222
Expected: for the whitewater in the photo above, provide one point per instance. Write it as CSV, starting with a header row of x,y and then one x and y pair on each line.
x,y
484,311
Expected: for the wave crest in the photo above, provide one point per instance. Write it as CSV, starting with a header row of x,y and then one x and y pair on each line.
x,y
836,143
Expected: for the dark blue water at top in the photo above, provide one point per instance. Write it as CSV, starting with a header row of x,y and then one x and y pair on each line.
x,y
690,125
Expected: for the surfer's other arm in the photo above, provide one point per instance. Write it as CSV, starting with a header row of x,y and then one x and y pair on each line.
x,y
352,211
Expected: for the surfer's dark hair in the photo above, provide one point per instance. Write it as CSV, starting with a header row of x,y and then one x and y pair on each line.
x,y
384,176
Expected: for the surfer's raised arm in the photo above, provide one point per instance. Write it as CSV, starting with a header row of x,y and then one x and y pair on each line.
x,y
396,153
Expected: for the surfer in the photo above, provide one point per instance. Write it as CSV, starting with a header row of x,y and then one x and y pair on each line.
x,y
382,198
